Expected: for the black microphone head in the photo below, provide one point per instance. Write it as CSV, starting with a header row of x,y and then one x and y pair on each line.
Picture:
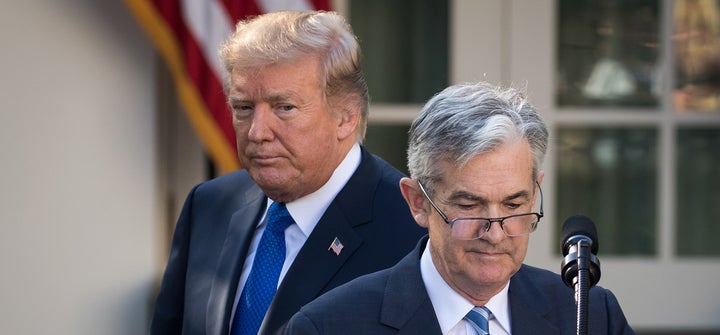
x,y
579,225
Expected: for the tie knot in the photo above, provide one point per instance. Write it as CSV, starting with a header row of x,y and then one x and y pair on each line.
x,y
478,318
278,218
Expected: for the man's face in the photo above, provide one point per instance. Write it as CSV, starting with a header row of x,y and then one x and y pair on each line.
x,y
287,138
491,185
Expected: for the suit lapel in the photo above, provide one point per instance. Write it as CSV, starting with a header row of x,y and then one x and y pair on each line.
x,y
530,312
234,251
407,306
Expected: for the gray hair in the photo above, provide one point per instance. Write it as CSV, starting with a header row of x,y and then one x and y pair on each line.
x,y
289,35
466,120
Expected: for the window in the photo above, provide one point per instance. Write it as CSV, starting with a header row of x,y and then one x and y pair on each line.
x,y
608,53
404,47
698,188
405,61
610,175
625,118
696,48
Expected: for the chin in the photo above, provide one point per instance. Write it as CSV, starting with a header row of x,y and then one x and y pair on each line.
x,y
270,182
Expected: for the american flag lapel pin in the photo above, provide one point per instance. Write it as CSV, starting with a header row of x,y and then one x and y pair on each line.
x,y
336,246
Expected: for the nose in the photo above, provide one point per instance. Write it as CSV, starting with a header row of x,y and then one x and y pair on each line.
x,y
261,125
494,232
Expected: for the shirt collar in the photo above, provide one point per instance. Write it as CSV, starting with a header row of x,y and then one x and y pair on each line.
x,y
308,210
450,307
499,307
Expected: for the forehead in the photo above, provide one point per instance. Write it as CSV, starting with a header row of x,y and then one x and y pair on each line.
x,y
297,75
505,170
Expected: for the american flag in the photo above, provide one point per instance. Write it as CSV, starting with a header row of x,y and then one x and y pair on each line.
x,y
336,246
187,34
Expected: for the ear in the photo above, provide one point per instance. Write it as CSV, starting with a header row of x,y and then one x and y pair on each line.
x,y
349,118
419,207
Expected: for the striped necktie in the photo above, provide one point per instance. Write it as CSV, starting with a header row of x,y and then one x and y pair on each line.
x,y
478,318
263,280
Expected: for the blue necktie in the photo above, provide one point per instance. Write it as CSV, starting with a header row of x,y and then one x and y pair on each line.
x,y
478,318
262,283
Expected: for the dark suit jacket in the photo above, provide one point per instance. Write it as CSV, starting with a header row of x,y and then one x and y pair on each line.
x,y
394,301
369,216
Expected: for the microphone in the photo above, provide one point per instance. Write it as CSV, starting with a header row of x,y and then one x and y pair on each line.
x,y
579,234
580,266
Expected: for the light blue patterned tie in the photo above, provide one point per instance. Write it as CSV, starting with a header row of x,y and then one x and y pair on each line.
x,y
262,283
478,318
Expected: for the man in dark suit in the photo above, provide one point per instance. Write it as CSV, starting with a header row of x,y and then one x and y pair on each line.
x,y
474,156
299,104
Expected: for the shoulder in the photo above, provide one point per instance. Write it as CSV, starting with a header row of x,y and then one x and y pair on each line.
x,y
544,289
373,193
552,284
227,182
541,277
220,197
229,186
358,300
374,289
382,302
374,165
368,289
547,283
389,172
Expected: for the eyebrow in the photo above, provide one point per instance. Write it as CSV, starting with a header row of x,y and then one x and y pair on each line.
x,y
272,98
472,197
234,100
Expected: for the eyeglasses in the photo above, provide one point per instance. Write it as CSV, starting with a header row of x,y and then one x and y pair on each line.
x,y
474,228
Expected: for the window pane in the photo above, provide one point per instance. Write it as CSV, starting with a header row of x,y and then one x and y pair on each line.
x,y
404,46
698,195
608,53
390,143
697,55
610,175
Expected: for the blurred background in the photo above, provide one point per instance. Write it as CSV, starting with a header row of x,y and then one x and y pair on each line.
x,y
99,152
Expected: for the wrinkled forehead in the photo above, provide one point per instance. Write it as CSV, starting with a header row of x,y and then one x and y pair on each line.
x,y
507,168
305,71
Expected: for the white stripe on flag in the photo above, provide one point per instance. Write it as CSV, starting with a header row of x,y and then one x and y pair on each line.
x,y
267,6
210,24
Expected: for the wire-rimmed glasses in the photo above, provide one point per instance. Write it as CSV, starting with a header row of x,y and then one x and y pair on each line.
x,y
474,228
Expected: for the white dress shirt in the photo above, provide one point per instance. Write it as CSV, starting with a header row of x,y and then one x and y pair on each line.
x,y
450,307
306,212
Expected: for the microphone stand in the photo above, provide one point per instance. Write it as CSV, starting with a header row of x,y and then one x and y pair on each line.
x,y
582,285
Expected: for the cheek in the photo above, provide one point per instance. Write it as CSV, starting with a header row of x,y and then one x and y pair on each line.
x,y
241,130
444,243
520,251
438,228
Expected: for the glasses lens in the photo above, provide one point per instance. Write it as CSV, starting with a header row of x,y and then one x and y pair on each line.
x,y
520,225
470,229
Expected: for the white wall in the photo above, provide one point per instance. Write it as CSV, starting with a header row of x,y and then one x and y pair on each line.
x,y
78,181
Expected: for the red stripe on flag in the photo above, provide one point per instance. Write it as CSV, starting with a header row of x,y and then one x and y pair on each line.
x,y
199,90
207,83
210,88
239,10
321,4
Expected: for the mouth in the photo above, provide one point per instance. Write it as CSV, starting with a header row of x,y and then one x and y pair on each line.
x,y
264,159
260,158
489,253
